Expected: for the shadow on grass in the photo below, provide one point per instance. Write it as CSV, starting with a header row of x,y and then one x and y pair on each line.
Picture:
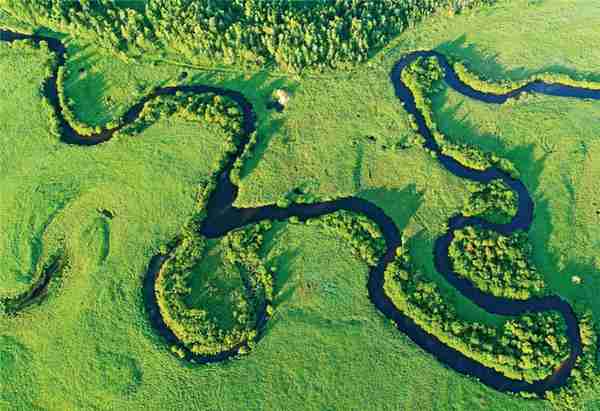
x,y
258,89
400,204
486,63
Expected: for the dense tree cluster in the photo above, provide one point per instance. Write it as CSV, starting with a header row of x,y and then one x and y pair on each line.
x,y
295,35
495,263
364,237
423,78
529,347
193,326
494,201
584,376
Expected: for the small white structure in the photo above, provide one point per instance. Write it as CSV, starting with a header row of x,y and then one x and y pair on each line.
x,y
282,96
576,279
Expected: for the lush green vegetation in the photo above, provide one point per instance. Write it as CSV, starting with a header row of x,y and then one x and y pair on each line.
x,y
494,201
292,34
248,293
363,236
506,86
528,348
495,263
423,77
343,134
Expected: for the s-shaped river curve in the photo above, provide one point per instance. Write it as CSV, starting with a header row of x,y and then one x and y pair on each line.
x,y
222,216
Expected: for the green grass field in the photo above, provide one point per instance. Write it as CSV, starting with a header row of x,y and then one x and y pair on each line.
x,y
90,344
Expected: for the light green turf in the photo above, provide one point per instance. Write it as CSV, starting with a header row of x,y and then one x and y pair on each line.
x,y
90,345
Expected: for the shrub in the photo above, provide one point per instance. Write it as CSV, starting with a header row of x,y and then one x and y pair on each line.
x,y
528,348
494,201
495,263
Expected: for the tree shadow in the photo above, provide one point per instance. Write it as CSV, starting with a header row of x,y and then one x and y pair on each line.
x,y
282,262
485,63
258,88
84,86
465,130
399,204
461,129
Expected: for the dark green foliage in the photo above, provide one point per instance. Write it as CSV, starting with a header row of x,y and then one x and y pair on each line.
x,y
495,263
295,35
494,201
208,107
528,347
194,327
584,376
364,237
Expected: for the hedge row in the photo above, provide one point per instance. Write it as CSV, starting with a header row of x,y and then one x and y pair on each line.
x,y
506,86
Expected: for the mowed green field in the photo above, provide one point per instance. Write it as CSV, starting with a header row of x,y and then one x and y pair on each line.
x,y
90,346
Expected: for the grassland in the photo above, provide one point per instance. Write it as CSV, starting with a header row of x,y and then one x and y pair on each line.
x,y
90,345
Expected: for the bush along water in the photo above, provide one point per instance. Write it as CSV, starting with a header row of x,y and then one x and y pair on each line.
x,y
494,201
423,78
507,86
528,348
496,264
363,236
195,327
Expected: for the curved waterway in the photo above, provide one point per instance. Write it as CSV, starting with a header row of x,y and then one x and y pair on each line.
x,y
222,217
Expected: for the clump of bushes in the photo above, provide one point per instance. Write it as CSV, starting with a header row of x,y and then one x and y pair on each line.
x,y
494,201
194,327
585,375
364,237
529,347
423,78
495,263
